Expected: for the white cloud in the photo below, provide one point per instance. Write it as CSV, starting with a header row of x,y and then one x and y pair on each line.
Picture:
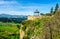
x,y
13,7
17,12
7,5
7,2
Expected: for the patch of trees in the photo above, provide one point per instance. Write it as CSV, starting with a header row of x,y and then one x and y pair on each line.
x,y
14,20
52,11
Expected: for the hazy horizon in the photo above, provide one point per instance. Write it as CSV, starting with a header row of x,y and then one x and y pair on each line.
x,y
26,7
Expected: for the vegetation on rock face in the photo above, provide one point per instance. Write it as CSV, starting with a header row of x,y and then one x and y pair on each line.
x,y
33,29
45,28
52,28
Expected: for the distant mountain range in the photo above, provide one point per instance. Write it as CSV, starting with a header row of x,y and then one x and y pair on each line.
x,y
12,16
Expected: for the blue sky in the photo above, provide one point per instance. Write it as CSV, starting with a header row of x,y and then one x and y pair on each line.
x,y
26,7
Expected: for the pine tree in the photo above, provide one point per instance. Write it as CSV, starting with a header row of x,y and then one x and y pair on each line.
x,y
56,8
51,11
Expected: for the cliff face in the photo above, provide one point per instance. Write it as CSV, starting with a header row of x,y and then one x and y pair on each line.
x,y
21,34
51,28
32,29
48,27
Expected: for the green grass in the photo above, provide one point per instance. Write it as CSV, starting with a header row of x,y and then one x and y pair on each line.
x,y
9,28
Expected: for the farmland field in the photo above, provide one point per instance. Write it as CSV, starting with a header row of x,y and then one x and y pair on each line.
x,y
9,30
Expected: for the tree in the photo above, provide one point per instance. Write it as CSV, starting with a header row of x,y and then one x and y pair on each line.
x,y
41,14
56,8
51,11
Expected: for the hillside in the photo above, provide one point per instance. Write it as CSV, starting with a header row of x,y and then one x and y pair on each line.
x,y
45,28
12,16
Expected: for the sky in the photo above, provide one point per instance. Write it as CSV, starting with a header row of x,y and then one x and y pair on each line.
x,y
26,7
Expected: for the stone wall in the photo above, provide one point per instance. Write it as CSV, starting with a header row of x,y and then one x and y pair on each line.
x,y
33,17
